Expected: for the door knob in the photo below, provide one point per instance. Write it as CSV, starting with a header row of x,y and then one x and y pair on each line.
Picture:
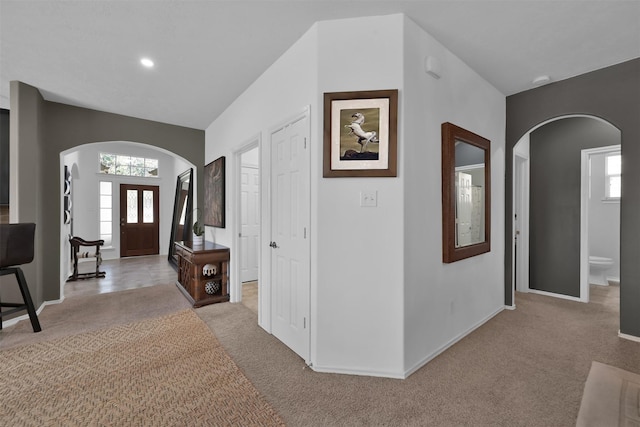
x,y
274,245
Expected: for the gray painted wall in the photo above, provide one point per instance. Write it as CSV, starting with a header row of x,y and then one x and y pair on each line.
x,y
43,130
25,143
612,93
554,246
4,156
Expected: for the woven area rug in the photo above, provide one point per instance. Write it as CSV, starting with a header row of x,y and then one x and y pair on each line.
x,y
611,398
165,371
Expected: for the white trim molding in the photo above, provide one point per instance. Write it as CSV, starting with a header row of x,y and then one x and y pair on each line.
x,y
628,337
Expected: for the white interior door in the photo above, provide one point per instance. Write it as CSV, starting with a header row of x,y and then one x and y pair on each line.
x,y
521,224
464,208
249,222
290,249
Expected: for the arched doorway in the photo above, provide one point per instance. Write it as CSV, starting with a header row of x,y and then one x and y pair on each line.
x,y
88,219
550,251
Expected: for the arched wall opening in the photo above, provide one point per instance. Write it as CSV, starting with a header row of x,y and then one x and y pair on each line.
x,y
83,165
549,245
41,130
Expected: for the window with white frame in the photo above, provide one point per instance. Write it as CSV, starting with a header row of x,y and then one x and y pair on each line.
x,y
613,176
106,212
117,164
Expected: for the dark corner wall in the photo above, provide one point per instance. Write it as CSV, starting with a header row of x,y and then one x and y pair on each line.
x,y
613,94
555,207
42,130
4,156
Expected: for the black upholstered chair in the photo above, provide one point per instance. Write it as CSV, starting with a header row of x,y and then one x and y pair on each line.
x,y
16,248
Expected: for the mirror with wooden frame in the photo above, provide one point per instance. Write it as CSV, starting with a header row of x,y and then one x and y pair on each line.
x,y
182,213
466,194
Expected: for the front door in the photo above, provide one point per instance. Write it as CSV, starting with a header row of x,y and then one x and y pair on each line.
x,y
290,249
139,220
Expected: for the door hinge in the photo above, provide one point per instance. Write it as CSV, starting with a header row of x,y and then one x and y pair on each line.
x,y
305,142
304,322
305,232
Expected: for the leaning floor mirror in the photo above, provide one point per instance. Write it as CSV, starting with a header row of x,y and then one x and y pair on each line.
x,y
466,194
182,212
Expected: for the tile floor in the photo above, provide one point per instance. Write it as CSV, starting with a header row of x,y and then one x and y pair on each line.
x,y
138,272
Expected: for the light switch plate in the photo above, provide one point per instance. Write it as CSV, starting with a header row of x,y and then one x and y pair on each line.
x,y
369,199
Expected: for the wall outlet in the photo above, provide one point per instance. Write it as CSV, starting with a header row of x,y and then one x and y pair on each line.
x,y
369,199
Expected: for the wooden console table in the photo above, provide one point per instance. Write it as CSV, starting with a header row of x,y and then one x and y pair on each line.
x,y
199,287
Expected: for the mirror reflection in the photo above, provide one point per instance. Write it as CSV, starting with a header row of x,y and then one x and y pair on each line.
x,y
469,190
466,194
182,212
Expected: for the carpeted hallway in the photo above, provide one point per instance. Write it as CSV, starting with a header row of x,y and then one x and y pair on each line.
x,y
522,368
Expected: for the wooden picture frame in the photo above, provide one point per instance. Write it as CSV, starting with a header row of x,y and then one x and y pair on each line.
x,y
214,193
360,134
466,157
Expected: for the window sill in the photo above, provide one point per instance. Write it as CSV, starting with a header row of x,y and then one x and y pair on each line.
x,y
108,176
608,200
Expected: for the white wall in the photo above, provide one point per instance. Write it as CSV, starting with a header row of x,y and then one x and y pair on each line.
x,y
382,302
84,165
283,90
604,219
360,277
287,88
443,302
251,158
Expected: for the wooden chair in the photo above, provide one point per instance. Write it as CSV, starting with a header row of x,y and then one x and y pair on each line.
x,y
76,253
16,248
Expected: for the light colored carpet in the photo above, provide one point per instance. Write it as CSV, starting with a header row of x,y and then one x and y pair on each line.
x,y
611,398
169,370
84,313
250,296
525,367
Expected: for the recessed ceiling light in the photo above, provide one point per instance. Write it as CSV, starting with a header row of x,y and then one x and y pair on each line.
x,y
540,80
146,62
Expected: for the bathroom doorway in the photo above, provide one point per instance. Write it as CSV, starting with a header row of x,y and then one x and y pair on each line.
x,y
601,169
547,205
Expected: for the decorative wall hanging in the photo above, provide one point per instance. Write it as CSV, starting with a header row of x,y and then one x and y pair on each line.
x,y
360,134
67,196
214,193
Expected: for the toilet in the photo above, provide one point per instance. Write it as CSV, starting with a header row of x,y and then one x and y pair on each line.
x,y
598,268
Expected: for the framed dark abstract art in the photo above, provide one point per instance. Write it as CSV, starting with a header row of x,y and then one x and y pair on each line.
x,y
214,193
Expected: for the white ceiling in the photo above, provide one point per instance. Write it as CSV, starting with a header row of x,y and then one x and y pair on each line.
x,y
207,53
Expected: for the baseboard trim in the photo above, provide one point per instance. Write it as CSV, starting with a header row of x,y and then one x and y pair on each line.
x,y
25,316
510,307
551,294
350,371
451,342
628,337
